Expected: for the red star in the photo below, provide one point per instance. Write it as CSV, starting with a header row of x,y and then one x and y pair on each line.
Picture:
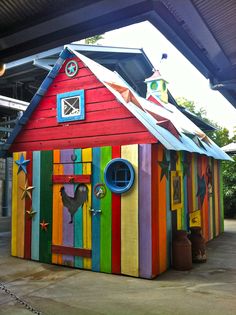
x,y
44,225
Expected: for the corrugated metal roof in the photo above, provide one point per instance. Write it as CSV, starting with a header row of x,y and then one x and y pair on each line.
x,y
160,121
220,19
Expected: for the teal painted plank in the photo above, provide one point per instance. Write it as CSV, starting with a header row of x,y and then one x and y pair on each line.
x,y
45,237
168,216
35,206
96,218
105,218
78,218
185,219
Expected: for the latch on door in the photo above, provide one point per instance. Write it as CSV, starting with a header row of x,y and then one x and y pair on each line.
x,y
95,211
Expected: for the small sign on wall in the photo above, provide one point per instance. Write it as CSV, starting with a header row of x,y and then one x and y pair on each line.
x,y
176,190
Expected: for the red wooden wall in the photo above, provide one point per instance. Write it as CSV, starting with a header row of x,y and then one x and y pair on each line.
x,y
106,120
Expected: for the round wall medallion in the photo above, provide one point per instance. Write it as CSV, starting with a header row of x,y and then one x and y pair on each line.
x,y
72,68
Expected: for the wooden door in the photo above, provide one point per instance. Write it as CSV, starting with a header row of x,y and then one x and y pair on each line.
x,y
71,231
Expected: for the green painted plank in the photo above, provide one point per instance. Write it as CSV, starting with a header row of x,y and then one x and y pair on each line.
x,y
78,218
105,220
45,237
221,197
35,206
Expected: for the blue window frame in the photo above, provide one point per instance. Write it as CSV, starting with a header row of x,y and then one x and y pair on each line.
x,y
70,106
119,175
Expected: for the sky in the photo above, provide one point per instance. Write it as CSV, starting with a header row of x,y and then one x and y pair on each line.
x,y
184,79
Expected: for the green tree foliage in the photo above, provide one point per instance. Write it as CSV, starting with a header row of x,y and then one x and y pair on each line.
x,y
93,40
221,137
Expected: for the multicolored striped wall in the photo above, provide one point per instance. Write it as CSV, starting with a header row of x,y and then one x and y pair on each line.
x,y
132,234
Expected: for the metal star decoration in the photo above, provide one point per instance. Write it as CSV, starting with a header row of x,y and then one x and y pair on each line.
x,y
26,191
31,213
22,163
164,164
44,225
201,192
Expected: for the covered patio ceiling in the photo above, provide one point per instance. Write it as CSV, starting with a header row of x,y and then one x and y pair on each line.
x,y
204,31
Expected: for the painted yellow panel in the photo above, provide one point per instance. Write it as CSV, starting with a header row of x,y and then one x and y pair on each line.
x,y
21,181
195,218
57,225
129,218
87,235
14,206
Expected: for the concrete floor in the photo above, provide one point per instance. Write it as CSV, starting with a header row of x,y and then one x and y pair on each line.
x,y
205,290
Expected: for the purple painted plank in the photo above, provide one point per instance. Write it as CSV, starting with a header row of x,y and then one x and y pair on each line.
x,y
145,212
68,228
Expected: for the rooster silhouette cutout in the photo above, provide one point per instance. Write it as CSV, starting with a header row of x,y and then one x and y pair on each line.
x,y
73,203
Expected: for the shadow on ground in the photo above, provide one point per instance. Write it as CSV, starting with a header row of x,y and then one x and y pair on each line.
x,y
207,289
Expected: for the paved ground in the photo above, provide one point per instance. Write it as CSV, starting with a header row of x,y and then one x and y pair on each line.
x,y
205,290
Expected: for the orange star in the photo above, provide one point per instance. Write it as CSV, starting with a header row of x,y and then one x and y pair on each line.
x,y
44,225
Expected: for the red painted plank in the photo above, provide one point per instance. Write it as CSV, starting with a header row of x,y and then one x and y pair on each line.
x,y
94,141
108,114
28,205
189,185
64,250
83,71
92,107
100,128
88,82
116,224
155,182
62,179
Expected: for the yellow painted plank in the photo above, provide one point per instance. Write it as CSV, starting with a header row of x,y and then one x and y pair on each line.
x,y
21,180
57,224
180,210
129,218
216,196
87,237
14,206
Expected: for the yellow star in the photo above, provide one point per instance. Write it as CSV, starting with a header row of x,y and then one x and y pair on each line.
x,y
44,225
26,191
30,213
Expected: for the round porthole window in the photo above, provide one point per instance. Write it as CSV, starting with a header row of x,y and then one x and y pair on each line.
x,y
119,175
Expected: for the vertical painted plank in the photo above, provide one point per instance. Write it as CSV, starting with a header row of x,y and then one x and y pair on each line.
x,y
129,218
36,206
96,217
45,236
116,223
87,221
78,218
14,206
174,213
168,216
21,213
189,184
205,202
210,202
145,211
180,212
162,245
221,198
213,199
57,230
216,196
105,220
194,182
68,228
185,225
154,226
28,206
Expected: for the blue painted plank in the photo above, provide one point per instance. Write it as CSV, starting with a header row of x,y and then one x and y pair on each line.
x,y
168,216
78,218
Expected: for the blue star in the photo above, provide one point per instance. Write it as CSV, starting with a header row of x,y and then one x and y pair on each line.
x,y
22,163
71,68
